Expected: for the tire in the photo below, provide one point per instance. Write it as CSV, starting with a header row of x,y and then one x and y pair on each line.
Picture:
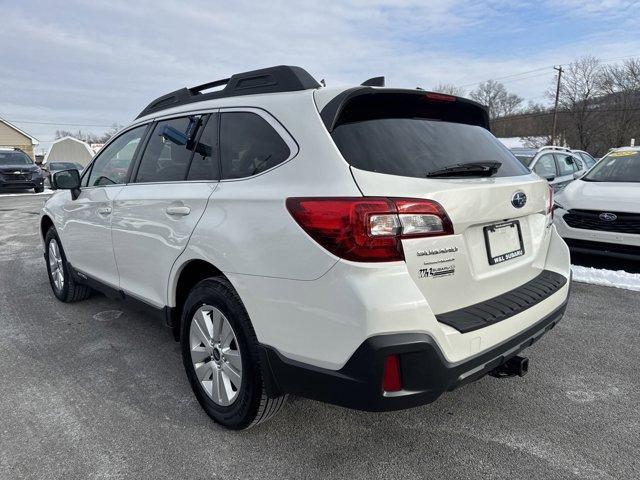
x,y
68,290
248,405
39,189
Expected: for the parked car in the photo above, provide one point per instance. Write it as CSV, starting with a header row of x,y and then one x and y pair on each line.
x,y
342,244
600,212
588,160
54,167
558,165
18,171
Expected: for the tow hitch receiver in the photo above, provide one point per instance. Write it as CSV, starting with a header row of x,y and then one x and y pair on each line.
x,y
514,366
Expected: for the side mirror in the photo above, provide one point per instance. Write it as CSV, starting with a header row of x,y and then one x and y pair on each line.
x,y
67,180
549,178
577,175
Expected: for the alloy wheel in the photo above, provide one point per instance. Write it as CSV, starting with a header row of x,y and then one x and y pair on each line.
x,y
215,355
56,265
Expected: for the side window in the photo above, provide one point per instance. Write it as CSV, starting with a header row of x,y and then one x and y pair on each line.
x,y
577,163
113,162
168,153
565,164
249,145
204,165
588,160
545,166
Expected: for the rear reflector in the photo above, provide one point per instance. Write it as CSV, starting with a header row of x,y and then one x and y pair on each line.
x,y
368,229
391,380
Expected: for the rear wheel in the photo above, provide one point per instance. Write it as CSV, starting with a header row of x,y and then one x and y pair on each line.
x,y
220,355
64,286
39,189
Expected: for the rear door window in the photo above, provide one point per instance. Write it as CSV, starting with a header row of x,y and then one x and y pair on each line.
x,y
204,165
546,166
588,159
565,164
413,147
169,150
249,145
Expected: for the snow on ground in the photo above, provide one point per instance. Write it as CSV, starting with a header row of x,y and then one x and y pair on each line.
x,y
608,278
16,194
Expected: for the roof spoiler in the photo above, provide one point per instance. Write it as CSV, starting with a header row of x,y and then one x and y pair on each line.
x,y
456,109
282,78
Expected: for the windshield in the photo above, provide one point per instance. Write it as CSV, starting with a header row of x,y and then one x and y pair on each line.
x,y
63,166
14,158
413,147
616,167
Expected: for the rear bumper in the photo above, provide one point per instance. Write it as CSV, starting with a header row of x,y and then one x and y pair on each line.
x,y
426,373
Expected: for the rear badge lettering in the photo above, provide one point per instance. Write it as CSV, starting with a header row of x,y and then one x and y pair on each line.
x,y
437,251
436,272
444,260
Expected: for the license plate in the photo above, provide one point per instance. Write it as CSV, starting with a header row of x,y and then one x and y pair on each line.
x,y
504,241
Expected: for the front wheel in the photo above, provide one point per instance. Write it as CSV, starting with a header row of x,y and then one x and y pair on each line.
x,y
64,286
39,189
220,355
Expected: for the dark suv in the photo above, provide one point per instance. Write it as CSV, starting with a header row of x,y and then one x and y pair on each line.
x,y
17,170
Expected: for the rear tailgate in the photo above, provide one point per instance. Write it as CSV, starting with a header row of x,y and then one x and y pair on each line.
x,y
459,270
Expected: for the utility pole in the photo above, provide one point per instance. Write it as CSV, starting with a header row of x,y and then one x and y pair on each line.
x,y
555,108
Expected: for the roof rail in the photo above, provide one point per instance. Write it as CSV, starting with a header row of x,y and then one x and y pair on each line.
x,y
554,147
282,78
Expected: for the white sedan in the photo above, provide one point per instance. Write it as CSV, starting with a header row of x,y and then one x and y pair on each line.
x,y
600,212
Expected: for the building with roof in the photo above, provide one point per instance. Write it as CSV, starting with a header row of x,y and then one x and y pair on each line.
x,y
69,149
12,136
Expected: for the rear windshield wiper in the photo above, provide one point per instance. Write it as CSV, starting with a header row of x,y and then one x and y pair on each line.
x,y
474,169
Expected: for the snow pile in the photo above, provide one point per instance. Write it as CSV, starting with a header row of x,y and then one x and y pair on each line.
x,y
24,194
608,278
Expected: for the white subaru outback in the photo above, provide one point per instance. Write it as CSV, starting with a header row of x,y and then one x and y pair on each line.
x,y
367,247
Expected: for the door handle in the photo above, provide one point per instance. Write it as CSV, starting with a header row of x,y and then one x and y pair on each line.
x,y
104,210
178,211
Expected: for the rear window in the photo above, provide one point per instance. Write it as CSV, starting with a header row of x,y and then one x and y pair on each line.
x,y
413,147
616,167
63,166
525,159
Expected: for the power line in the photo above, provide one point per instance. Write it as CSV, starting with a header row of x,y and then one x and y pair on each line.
x,y
542,68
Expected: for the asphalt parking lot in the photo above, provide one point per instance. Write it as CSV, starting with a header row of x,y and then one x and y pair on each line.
x,y
97,390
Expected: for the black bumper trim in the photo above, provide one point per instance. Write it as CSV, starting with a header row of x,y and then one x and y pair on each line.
x,y
506,305
615,250
426,373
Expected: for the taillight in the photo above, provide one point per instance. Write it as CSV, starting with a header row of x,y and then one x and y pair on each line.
x,y
550,206
391,379
368,229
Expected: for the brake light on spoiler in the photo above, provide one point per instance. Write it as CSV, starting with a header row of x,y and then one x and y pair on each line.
x,y
368,229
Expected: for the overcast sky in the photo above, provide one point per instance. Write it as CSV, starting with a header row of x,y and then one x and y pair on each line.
x,y
98,62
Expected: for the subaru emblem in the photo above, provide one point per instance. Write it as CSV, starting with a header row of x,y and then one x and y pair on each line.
x,y
519,199
608,217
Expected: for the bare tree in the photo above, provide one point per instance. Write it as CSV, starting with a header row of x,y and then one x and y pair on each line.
x,y
579,88
495,96
90,137
620,85
449,89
